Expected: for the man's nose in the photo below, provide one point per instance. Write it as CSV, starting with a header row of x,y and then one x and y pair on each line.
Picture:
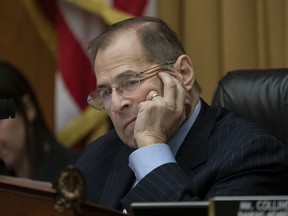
x,y
118,100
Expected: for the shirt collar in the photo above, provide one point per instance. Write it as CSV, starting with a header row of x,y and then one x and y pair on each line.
x,y
176,141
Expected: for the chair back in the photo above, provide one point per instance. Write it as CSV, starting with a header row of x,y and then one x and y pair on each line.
x,y
260,95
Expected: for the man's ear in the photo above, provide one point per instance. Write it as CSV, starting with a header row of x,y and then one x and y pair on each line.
x,y
184,66
29,107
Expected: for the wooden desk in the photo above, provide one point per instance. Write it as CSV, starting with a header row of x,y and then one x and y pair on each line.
x,y
22,197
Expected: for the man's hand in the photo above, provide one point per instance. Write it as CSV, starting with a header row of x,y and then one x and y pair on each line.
x,y
160,116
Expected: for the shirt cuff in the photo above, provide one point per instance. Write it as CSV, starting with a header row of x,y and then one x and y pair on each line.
x,y
143,160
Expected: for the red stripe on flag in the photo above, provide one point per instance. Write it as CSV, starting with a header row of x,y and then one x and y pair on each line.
x,y
133,7
73,64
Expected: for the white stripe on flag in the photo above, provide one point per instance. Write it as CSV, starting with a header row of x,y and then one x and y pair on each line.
x,y
84,26
66,108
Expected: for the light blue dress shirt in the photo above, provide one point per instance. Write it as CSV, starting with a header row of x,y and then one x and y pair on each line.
x,y
143,160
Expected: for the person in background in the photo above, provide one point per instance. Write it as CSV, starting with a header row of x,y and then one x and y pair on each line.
x,y
27,147
168,144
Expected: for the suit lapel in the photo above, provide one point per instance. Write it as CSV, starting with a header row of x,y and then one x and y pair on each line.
x,y
193,151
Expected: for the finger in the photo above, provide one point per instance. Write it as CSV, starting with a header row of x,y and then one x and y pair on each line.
x,y
172,88
152,95
174,93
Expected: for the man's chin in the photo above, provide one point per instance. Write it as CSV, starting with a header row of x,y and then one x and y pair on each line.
x,y
131,142
128,138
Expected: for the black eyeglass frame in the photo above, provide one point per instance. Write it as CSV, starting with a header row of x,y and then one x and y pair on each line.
x,y
97,102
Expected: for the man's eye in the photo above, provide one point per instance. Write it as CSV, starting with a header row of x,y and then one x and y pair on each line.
x,y
130,83
104,92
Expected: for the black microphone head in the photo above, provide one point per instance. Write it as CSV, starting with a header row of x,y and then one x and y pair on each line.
x,y
2,167
7,108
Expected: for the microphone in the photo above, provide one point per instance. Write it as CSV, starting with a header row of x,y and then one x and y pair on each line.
x,y
7,108
2,167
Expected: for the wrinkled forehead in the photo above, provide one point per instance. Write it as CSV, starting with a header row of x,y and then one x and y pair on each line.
x,y
121,63
123,53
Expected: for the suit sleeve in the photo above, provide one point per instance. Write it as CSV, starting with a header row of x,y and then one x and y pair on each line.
x,y
257,167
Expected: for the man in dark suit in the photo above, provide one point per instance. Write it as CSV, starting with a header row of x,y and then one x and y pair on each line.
x,y
168,143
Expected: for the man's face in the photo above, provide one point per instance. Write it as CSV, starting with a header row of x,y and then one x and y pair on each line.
x,y
122,56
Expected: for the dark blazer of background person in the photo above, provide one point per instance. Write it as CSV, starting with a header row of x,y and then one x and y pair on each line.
x,y
44,156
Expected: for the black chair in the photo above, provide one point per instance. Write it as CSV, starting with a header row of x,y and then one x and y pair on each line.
x,y
260,95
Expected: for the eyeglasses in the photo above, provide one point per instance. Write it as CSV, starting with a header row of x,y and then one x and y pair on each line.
x,y
125,85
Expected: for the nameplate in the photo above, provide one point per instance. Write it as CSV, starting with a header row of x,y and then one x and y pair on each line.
x,y
249,206
188,208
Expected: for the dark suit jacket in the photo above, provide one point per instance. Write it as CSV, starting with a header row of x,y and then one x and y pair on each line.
x,y
222,155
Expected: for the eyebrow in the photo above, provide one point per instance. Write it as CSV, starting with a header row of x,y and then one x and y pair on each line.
x,y
126,72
